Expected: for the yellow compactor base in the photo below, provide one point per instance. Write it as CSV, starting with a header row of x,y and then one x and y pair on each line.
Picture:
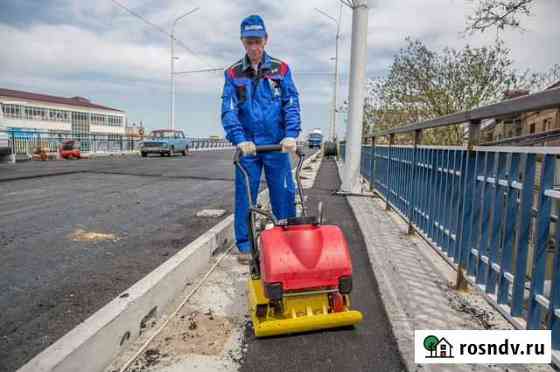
x,y
301,313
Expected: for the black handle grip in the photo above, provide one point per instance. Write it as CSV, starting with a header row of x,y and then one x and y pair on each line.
x,y
273,148
260,149
268,148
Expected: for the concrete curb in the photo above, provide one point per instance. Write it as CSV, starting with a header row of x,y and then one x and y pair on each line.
x,y
93,344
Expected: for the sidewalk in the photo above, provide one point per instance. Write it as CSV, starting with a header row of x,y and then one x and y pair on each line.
x,y
416,286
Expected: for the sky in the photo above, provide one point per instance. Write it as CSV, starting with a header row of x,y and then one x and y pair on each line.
x,y
97,50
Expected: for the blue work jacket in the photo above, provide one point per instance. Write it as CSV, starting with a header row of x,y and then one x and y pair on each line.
x,y
260,106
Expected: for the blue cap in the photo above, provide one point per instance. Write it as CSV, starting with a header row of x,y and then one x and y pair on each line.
x,y
253,26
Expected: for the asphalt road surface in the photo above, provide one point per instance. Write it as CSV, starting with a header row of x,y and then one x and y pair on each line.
x,y
54,273
370,346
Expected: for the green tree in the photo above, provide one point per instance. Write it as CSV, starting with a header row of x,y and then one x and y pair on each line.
x,y
430,344
423,84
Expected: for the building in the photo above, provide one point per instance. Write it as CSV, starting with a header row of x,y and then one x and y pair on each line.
x,y
530,128
78,117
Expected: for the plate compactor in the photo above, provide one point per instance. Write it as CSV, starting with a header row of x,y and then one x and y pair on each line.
x,y
301,270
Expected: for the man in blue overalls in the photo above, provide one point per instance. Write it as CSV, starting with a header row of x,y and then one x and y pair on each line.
x,y
260,106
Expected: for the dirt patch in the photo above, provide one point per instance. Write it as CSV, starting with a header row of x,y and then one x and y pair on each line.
x,y
80,235
190,332
475,308
197,333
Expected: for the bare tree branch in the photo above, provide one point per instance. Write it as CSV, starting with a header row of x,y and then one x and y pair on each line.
x,y
498,13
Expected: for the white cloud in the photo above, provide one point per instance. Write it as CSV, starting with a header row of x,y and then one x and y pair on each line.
x,y
105,52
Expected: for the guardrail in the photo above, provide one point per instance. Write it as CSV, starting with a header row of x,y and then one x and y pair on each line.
x,y
25,142
209,143
492,212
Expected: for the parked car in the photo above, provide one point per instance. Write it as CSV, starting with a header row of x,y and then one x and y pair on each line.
x,y
166,142
70,149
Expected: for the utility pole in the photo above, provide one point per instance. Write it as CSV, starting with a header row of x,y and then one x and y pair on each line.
x,y
358,62
333,134
332,130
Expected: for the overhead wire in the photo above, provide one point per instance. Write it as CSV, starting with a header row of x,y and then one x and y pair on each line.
x,y
159,28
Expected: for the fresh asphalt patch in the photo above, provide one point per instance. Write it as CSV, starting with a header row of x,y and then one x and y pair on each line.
x,y
370,345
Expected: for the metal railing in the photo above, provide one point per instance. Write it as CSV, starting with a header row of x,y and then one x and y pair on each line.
x,y
26,142
209,143
492,212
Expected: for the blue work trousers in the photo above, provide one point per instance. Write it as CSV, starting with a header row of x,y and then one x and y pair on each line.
x,y
281,188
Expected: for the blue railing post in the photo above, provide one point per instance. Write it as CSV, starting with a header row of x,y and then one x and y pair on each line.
x,y
486,212
387,172
554,320
372,169
424,195
541,242
456,202
434,199
509,232
475,218
496,220
469,173
522,236
412,198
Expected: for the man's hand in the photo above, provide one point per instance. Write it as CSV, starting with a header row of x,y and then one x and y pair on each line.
x,y
289,144
247,148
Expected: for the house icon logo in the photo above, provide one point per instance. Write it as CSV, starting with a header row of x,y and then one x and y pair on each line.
x,y
438,347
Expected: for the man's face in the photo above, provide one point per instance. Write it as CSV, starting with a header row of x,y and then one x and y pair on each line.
x,y
254,46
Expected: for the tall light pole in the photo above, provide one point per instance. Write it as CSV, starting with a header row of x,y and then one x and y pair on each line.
x,y
172,38
358,62
332,130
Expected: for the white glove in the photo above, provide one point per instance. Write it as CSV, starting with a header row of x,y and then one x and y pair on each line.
x,y
289,144
247,148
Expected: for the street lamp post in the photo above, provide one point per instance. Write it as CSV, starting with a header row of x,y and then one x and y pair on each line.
x,y
172,38
358,60
332,131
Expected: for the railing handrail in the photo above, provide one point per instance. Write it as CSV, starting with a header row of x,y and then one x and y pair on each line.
x,y
544,100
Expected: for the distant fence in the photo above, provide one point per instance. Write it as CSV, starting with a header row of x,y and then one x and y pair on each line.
x,y
209,143
25,142
493,211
